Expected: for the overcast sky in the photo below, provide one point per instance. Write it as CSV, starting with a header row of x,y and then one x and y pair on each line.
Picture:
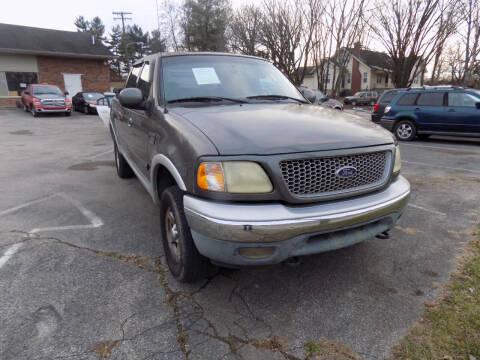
x,y
60,14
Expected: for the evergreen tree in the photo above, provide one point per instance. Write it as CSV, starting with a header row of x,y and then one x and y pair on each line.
x,y
82,24
156,43
94,27
113,44
204,24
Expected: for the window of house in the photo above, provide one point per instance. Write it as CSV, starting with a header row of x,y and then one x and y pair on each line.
x,y
349,79
365,77
379,79
327,78
10,82
431,99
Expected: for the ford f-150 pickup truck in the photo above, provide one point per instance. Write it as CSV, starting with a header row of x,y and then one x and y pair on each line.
x,y
45,98
245,170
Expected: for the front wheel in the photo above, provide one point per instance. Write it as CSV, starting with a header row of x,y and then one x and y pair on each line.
x,y
405,130
124,170
354,103
184,261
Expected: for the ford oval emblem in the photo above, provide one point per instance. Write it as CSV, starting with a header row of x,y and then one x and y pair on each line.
x,y
346,171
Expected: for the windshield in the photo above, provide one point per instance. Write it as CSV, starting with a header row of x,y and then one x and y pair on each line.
x,y
231,77
42,90
358,94
92,96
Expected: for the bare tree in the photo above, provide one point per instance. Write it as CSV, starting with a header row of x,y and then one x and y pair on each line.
x,y
348,20
449,17
170,21
287,33
471,37
245,30
406,28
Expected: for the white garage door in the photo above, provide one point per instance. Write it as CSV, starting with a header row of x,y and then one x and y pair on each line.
x,y
73,84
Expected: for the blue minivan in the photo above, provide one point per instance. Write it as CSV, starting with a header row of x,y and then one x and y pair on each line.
x,y
433,111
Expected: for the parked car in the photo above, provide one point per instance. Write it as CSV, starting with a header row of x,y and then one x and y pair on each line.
x,y
45,98
318,97
382,102
86,101
322,99
433,110
244,169
103,107
362,98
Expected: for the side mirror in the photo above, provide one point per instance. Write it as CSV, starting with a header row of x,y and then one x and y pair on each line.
x,y
131,98
477,104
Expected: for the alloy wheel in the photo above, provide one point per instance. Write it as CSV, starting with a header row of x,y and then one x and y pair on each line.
x,y
404,131
173,236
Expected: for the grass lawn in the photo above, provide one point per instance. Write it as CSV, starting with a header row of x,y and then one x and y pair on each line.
x,y
450,328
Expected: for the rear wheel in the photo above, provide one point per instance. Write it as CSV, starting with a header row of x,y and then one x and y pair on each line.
x,y
124,170
405,130
354,103
184,261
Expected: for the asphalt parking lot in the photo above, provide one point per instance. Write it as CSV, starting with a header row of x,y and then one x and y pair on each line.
x,y
82,272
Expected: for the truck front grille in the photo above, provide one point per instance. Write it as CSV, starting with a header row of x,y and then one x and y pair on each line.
x,y
53,102
320,176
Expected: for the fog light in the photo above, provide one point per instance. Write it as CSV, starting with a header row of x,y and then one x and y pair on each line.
x,y
256,252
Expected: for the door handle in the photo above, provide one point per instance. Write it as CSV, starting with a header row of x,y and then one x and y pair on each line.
x,y
130,122
418,109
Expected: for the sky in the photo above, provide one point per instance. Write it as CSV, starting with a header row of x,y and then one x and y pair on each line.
x,y
60,14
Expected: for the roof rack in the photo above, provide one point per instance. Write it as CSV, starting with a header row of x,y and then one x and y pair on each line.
x,y
435,87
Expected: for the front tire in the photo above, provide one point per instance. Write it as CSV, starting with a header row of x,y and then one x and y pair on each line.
x,y
405,130
354,103
124,170
184,261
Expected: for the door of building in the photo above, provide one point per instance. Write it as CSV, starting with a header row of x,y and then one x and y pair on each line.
x,y
73,84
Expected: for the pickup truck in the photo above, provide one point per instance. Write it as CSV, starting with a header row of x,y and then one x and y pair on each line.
x,y
45,98
245,170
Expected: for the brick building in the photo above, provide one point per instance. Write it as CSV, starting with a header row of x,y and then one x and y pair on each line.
x,y
71,60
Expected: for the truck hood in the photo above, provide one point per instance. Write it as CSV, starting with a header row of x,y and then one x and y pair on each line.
x,y
261,129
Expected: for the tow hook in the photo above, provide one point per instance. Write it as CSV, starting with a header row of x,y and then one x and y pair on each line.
x,y
383,235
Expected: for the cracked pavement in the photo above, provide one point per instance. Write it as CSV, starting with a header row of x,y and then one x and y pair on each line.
x,y
75,291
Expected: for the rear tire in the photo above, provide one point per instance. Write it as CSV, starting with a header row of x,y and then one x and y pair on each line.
x,y
124,170
405,130
184,261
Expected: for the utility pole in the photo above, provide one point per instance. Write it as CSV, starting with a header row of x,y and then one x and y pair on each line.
x,y
122,17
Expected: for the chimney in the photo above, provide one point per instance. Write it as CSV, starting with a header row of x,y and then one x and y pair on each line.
x,y
356,84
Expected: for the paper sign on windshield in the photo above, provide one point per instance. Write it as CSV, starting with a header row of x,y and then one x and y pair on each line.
x,y
205,76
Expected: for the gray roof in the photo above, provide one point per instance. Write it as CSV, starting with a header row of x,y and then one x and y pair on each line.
x,y
375,59
37,41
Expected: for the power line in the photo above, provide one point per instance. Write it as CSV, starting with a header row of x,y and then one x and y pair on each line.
x,y
122,17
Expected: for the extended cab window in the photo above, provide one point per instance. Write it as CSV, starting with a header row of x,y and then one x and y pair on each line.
x,y
431,99
407,100
462,100
132,79
144,81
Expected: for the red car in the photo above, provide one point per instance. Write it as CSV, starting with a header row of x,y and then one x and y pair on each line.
x,y
45,98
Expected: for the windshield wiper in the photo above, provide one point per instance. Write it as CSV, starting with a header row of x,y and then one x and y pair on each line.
x,y
207,99
276,97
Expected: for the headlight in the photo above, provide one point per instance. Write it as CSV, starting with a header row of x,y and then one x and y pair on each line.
x,y
397,165
239,177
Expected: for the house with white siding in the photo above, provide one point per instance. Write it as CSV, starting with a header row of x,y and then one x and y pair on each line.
x,y
365,70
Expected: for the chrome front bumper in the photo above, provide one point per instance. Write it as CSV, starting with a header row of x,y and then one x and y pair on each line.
x,y
220,230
